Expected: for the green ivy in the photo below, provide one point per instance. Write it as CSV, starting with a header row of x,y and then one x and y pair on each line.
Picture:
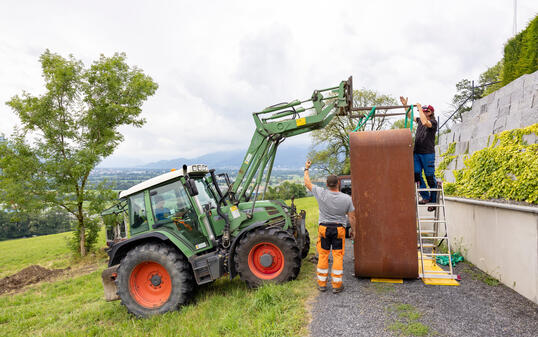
x,y
448,157
507,168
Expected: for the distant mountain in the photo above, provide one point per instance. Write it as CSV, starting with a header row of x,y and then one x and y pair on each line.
x,y
286,158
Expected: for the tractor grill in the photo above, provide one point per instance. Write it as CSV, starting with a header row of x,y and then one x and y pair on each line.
x,y
278,221
271,210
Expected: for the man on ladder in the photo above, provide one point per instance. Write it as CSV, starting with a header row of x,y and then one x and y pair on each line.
x,y
333,207
424,151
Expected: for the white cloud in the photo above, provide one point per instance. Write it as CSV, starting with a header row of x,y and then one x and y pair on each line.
x,y
216,62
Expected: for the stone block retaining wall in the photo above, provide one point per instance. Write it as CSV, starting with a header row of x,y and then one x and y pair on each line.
x,y
511,107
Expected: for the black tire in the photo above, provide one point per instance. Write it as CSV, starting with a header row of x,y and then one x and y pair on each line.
x,y
306,247
287,263
163,259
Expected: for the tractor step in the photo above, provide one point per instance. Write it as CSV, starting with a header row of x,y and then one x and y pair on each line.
x,y
207,267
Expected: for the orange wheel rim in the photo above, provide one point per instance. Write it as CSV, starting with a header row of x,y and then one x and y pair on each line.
x,y
266,261
150,284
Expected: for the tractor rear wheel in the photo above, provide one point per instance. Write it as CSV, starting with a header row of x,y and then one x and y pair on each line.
x,y
306,247
153,279
267,255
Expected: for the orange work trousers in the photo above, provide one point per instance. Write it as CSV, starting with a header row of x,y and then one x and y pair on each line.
x,y
330,236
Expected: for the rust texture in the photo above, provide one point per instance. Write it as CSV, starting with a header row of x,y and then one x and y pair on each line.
x,y
384,199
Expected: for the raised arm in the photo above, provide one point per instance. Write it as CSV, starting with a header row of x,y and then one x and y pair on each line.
x,y
425,121
307,181
404,103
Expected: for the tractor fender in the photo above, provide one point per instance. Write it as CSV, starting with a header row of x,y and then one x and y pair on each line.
x,y
231,269
120,249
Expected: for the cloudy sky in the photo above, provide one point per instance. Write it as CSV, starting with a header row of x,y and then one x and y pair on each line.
x,y
218,61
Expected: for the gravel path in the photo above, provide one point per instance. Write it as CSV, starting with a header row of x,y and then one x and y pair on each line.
x,y
380,309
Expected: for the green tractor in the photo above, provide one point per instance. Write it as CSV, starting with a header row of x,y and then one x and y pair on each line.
x,y
186,231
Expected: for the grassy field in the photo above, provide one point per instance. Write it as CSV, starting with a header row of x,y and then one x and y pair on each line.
x,y
74,306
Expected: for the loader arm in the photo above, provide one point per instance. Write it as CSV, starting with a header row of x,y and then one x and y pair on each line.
x,y
276,123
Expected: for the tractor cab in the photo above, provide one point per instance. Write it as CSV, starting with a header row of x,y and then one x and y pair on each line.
x,y
171,202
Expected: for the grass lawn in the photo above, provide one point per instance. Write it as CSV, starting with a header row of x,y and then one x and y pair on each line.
x,y
75,306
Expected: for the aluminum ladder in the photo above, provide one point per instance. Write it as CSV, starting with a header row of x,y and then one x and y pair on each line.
x,y
429,237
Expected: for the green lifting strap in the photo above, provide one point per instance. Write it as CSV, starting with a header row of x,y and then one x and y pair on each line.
x,y
412,118
363,120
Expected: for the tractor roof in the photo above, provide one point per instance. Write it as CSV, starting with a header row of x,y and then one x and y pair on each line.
x,y
151,182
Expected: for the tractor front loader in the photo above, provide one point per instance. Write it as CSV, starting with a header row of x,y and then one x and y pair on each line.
x,y
186,231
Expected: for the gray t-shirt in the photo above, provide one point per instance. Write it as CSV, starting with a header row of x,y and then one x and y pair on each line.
x,y
333,206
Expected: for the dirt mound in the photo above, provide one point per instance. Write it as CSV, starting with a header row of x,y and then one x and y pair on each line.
x,y
27,276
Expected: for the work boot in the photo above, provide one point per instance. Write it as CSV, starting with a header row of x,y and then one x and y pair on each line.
x,y
322,289
424,201
338,290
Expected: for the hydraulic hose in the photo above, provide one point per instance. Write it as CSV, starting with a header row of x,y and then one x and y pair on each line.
x,y
226,231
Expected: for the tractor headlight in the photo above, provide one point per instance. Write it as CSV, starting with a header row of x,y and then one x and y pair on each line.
x,y
197,168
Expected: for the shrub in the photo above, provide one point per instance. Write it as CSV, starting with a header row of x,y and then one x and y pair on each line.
x,y
506,169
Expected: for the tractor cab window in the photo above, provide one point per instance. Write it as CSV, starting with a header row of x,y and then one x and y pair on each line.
x,y
138,219
170,204
205,196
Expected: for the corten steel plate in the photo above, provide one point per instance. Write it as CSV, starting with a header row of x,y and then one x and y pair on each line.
x,y
384,199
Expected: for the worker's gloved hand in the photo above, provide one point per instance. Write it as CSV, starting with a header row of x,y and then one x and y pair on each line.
x,y
403,100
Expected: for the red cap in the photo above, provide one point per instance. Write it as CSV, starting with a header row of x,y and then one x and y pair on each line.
x,y
428,108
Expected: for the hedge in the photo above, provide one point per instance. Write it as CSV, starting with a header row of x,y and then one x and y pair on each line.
x,y
521,53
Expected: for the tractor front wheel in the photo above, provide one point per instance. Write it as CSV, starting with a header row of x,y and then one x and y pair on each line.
x,y
153,279
267,255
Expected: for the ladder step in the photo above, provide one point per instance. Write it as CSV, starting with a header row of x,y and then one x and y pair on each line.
x,y
431,205
431,220
436,271
427,245
448,276
428,189
433,237
426,231
435,254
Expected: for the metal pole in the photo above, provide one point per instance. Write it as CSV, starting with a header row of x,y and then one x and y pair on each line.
x,y
378,115
438,129
381,107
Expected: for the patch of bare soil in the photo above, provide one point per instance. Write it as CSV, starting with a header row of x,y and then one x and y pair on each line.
x,y
27,276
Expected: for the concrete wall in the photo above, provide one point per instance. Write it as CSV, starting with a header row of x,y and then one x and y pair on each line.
x,y
500,241
511,107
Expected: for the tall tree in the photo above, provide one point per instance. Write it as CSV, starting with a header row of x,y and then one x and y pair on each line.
x,y
463,99
66,132
332,155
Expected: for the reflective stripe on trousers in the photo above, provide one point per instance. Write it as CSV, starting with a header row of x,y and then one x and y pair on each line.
x,y
331,237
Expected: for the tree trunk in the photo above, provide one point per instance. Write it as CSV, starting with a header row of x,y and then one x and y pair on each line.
x,y
82,231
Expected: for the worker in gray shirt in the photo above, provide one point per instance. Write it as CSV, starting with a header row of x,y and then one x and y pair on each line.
x,y
333,207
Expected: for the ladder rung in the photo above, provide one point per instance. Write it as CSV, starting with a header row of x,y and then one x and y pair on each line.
x,y
449,276
426,231
428,189
437,271
427,245
430,220
431,205
436,254
433,237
